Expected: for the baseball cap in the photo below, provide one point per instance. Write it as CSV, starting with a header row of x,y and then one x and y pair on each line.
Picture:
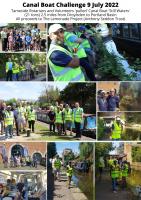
x,y
55,27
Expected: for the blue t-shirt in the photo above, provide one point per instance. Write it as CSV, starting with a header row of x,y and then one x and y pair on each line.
x,y
60,58
28,38
73,38
10,65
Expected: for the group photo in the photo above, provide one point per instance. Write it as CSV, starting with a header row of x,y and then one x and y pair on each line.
x,y
19,37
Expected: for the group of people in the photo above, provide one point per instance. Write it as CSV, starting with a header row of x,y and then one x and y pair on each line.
x,y
18,39
18,116
119,170
57,167
62,117
18,161
73,52
19,71
108,101
20,189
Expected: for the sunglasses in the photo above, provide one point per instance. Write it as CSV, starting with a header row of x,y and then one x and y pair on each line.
x,y
59,31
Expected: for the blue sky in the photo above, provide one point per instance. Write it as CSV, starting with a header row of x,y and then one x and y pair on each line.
x,y
25,90
62,145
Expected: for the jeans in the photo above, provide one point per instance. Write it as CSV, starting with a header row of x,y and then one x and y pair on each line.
x,y
31,124
9,75
52,126
9,131
114,184
88,69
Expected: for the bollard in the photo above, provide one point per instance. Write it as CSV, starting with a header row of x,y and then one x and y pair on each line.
x,y
28,131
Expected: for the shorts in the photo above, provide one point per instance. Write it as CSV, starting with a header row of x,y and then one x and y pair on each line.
x,y
68,124
21,121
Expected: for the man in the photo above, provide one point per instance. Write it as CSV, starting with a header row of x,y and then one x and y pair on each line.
x,y
21,117
102,101
59,120
125,170
15,112
78,117
113,101
117,129
28,67
51,115
79,46
115,175
68,118
9,70
8,122
57,167
63,65
69,173
2,110
31,117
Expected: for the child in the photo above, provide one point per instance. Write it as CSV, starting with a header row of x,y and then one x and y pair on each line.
x,y
10,41
28,40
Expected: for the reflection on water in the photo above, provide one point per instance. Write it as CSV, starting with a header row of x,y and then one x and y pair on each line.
x,y
85,182
131,134
134,178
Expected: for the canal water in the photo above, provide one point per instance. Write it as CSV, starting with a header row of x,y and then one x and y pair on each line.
x,y
84,181
131,134
134,180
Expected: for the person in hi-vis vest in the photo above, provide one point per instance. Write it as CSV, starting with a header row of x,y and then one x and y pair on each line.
x,y
117,129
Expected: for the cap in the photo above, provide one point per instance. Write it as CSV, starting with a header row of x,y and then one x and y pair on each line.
x,y
103,91
55,27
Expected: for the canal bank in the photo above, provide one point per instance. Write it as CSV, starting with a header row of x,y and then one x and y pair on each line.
x,y
84,181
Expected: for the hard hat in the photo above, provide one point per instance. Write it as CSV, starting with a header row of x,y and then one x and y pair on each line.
x,y
118,118
55,27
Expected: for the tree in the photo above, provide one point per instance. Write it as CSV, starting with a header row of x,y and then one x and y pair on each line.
x,y
102,149
86,150
48,96
51,150
84,93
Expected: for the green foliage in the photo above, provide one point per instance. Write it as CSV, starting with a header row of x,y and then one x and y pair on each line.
x,y
136,154
35,59
102,149
86,150
11,101
84,93
49,96
107,66
51,150
101,128
70,156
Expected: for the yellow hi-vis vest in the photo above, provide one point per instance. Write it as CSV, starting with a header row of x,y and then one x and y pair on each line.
x,y
7,66
68,115
71,45
58,117
115,171
31,115
116,133
61,73
15,68
57,164
69,171
22,112
78,115
125,171
9,118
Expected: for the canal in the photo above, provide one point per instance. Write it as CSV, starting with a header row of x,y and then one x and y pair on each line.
x,y
84,181
134,180
131,134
